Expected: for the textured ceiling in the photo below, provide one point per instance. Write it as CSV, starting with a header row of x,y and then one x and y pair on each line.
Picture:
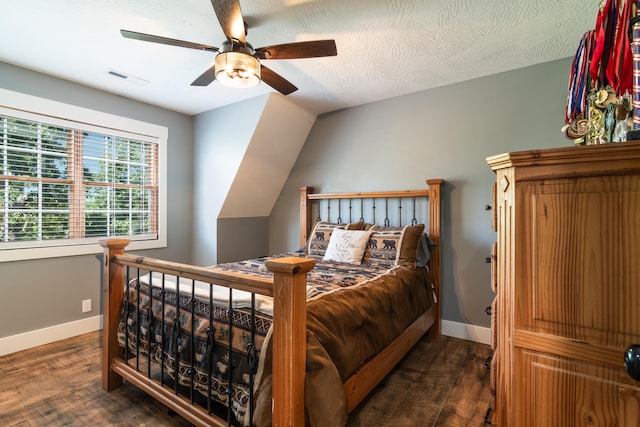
x,y
385,48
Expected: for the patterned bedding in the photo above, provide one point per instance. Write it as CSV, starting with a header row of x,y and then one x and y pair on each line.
x,y
353,312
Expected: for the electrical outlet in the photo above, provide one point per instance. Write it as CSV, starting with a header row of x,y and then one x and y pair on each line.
x,y
86,305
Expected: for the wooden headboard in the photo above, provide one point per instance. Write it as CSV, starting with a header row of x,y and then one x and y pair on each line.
x,y
433,224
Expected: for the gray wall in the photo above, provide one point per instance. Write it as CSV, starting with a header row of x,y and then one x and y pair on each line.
x,y
242,238
42,293
393,144
221,138
440,133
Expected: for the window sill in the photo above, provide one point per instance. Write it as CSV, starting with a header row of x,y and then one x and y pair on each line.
x,y
53,251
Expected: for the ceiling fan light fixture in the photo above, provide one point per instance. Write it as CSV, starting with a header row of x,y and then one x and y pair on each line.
x,y
237,69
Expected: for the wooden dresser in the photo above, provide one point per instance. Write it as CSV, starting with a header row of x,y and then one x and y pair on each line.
x,y
568,285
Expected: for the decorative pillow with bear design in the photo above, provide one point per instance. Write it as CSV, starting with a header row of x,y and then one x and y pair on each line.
x,y
321,234
390,246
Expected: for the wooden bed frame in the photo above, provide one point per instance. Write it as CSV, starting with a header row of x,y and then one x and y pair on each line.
x,y
288,288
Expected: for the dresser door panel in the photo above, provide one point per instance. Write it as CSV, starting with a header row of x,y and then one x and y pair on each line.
x,y
563,392
577,259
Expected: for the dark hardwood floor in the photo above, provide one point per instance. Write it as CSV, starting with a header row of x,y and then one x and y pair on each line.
x,y
441,382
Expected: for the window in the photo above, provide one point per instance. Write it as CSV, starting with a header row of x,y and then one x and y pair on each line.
x,y
69,180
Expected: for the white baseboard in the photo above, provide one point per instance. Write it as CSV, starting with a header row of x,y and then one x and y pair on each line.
x,y
466,332
48,335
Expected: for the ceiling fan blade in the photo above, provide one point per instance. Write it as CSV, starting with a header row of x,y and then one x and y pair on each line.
x,y
276,81
310,49
230,18
205,78
165,40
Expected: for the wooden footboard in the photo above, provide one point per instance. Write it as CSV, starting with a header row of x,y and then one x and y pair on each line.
x,y
288,290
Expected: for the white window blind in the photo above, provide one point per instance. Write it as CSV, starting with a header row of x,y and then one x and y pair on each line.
x,y
63,183
70,183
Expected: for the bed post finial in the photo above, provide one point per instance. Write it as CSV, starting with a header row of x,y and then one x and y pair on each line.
x,y
112,289
305,214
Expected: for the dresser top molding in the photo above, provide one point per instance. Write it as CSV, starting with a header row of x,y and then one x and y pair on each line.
x,y
620,158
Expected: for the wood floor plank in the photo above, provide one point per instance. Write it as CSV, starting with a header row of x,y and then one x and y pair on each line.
x,y
441,382
417,390
470,388
59,384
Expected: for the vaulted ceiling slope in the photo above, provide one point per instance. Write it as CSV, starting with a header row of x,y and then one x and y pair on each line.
x,y
386,48
239,172
276,139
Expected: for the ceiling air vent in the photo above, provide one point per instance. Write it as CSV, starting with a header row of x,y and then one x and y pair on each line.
x,y
128,77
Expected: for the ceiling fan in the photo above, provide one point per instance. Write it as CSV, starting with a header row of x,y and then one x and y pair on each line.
x,y
237,63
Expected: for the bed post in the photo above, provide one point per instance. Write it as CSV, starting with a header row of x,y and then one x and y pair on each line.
x,y
305,214
435,230
289,338
112,290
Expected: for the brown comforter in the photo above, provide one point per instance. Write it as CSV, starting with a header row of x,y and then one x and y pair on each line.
x,y
344,329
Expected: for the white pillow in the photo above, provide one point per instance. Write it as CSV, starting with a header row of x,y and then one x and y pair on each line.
x,y
347,246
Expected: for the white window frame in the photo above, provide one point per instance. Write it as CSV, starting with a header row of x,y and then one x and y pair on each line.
x,y
20,105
